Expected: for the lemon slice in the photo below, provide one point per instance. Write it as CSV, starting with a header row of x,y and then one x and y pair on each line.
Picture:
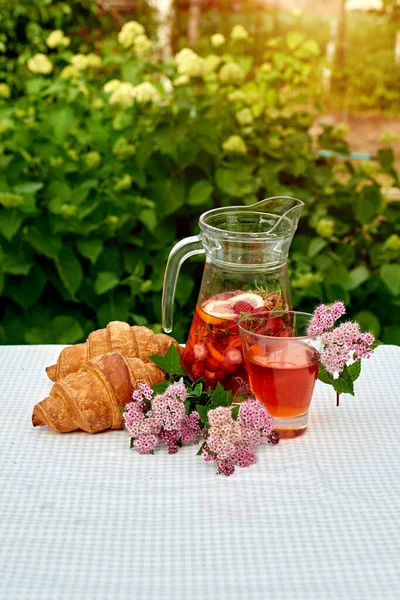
x,y
224,309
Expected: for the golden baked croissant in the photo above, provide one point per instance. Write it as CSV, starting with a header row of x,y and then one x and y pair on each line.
x,y
131,342
89,399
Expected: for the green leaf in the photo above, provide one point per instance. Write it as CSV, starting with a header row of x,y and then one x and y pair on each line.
x,y
115,308
200,192
356,277
170,363
390,275
29,187
294,39
392,335
66,330
70,270
148,217
324,376
14,264
221,397
354,370
159,388
386,158
368,322
61,121
344,383
48,245
369,203
235,412
90,249
105,282
203,412
315,246
1,282
27,290
10,222
200,450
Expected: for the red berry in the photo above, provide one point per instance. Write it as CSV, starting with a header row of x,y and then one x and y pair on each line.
x,y
233,360
200,351
234,342
233,355
242,306
274,325
286,332
212,377
198,370
212,364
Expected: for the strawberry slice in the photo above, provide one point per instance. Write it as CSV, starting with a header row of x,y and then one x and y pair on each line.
x,y
242,306
200,351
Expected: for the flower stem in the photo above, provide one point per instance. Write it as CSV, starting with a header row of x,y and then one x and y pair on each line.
x,y
337,398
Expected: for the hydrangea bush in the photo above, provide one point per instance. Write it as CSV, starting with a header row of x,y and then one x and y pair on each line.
x,y
109,155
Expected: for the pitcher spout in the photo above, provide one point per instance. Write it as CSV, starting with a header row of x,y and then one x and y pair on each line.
x,y
285,208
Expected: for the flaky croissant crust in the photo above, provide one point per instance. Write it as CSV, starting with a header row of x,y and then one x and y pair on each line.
x,y
89,399
131,342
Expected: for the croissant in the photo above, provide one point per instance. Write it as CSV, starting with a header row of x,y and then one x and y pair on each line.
x,y
131,342
90,398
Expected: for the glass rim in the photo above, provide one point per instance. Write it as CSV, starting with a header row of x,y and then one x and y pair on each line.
x,y
259,236
276,313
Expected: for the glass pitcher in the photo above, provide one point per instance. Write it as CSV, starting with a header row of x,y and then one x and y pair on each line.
x,y
246,250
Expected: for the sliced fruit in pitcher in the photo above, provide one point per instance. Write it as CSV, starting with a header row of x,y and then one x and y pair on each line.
x,y
232,307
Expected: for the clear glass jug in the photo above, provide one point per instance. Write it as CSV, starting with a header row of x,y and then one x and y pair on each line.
x,y
246,250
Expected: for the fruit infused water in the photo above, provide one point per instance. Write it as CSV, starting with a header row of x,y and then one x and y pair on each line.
x,y
213,349
282,375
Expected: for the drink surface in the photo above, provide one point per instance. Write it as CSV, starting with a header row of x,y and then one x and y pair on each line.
x,y
213,349
282,375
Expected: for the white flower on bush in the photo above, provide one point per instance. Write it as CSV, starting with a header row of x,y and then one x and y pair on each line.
x,y
5,91
235,144
92,159
93,60
80,62
231,73
239,34
125,183
69,72
181,80
129,32
57,39
244,117
40,64
191,64
123,94
217,40
97,104
133,26
213,62
237,96
146,92
111,85
142,45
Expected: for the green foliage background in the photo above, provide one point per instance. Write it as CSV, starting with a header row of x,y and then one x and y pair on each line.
x,y
93,195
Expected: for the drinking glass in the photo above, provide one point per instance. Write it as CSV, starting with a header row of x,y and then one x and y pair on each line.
x,y
282,364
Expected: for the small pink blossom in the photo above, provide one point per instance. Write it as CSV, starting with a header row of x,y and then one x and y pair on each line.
x,y
146,443
231,442
324,317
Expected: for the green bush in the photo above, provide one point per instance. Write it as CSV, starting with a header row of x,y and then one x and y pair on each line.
x,y
107,160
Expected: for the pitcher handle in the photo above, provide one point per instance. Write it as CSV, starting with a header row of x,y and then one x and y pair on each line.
x,y
180,252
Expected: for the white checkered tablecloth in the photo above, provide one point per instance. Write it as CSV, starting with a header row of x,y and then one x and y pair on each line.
x,y
84,517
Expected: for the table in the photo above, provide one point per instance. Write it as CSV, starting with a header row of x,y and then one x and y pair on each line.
x,y
84,517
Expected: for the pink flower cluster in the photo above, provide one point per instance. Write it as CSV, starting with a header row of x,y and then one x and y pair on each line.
x,y
231,442
165,420
341,344
324,317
